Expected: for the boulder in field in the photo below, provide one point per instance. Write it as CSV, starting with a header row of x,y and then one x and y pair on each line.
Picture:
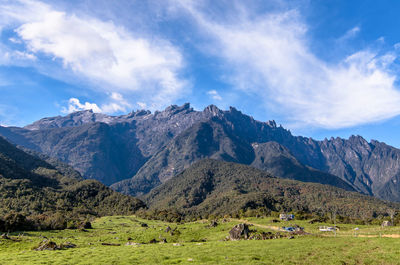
x,y
111,244
47,245
4,236
213,223
239,231
129,243
67,245
85,225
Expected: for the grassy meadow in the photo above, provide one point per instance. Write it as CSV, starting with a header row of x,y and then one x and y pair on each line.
x,y
198,243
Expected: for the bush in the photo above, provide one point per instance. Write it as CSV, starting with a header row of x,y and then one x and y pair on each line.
x,y
85,225
54,221
16,222
72,225
170,215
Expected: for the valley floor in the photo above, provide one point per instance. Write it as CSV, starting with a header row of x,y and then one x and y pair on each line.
x,y
198,243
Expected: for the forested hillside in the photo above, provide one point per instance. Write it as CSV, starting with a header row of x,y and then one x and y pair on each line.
x,y
217,187
31,186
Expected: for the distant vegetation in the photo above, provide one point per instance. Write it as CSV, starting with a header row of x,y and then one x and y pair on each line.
x,y
212,188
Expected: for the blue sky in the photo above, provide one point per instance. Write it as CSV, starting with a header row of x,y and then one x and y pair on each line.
x,y
320,68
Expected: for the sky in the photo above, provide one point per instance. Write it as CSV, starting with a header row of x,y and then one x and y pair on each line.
x,y
321,68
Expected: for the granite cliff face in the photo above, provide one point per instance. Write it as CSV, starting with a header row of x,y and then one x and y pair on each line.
x,y
141,150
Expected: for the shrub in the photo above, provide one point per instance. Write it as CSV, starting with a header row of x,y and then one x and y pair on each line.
x,y
2,226
16,222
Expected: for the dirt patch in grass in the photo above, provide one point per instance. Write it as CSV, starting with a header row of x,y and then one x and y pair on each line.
x,y
392,236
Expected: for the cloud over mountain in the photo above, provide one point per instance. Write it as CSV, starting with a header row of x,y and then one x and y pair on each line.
x,y
109,56
264,56
271,56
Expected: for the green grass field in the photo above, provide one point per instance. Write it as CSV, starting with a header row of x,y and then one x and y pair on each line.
x,y
200,244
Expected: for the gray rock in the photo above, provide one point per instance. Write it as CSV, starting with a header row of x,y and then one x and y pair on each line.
x,y
239,231
47,245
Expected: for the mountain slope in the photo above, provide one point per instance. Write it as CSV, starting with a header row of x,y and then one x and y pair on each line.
x,y
98,150
109,148
30,185
213,139
277,160
216,187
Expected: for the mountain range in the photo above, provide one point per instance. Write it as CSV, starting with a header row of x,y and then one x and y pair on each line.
x,y
137,152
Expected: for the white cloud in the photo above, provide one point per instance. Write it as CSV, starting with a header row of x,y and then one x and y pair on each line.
x,y
15,57
14,40
214,94
117,104
272,58
351,33
142,105
24,55
108,55
75,105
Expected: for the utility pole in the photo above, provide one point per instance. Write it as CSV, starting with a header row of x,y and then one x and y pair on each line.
x,y
392,213
334,221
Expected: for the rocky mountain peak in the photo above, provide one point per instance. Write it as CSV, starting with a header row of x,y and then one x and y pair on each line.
x,y
71,120
142,113
233,110
358,139
271,124
213,110
173,110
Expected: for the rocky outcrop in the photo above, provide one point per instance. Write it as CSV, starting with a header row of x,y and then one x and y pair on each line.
x,y
240,231
47,245
50,245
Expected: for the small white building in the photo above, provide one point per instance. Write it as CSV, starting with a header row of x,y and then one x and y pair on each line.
x,y
386,223
327,228
286,217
